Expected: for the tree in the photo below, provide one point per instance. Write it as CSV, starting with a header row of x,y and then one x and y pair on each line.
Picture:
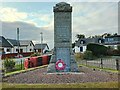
x,y
88,55
79,36
115,34
118,47
106,34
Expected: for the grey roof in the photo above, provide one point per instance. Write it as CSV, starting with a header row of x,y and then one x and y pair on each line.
x,y
115,40
88,40
21,42
25,42
13,42
4,42
39,46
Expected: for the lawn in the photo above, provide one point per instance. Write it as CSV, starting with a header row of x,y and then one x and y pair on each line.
x,y
77,85
104,69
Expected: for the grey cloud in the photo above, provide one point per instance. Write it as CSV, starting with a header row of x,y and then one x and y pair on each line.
x,y
95,18
27,32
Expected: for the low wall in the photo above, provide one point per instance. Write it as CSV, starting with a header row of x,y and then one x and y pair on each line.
x,y
12,55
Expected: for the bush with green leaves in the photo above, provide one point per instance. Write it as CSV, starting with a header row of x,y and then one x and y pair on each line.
x,y
97,50
79,56
118,47
88,55
9,64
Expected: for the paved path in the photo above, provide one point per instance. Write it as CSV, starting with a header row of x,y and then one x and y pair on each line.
x,y
41,76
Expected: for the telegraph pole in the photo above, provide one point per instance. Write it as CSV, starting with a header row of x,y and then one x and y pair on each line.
x,y
41,34
18,40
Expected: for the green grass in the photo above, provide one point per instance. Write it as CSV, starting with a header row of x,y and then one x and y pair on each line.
x,y
19,67
67,85
20,71
104,69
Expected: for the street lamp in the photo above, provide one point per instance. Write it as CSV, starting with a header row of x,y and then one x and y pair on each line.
x,y
18,40
41,34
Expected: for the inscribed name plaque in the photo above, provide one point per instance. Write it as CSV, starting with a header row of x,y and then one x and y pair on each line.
x,y
62,59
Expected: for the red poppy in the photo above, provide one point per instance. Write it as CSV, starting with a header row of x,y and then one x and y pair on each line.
x,y
60,65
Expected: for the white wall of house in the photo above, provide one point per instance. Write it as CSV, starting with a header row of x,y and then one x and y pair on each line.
x,y
30,48
14,49
23,48
7,50
84,48
77,49
46,48
112,46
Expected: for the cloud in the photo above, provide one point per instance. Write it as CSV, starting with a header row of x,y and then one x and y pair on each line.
x,y
89,18
61,0
11,14
94,18
27,32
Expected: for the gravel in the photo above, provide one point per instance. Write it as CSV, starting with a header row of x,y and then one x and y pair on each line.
x,y
41,76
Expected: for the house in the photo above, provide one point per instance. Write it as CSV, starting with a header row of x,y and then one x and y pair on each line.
x,y
43,46
81,44
108,41
112,41
24,45
5,46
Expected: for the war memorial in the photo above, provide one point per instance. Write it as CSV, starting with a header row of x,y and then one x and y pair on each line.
x,y
62,59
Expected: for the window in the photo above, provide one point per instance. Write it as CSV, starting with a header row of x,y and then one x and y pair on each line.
x,y
81,49
82,42
16,50
110,39
100,41
30,49
21,50
30,44
8,50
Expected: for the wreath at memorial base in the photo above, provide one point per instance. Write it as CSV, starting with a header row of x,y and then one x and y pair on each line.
x,y
60,65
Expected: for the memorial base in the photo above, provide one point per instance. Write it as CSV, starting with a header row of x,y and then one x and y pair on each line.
x,y
51,67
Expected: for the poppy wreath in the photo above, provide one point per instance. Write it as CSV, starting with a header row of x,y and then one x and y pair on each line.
x,y
60,65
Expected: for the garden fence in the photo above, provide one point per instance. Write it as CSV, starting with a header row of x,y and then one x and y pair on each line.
x,y
102,63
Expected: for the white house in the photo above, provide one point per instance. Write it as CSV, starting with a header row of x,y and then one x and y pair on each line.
x,y
81,44
108,41
112,41
24,45
5,46
43,46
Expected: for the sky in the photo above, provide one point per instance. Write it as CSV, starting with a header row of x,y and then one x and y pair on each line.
x,y
89,17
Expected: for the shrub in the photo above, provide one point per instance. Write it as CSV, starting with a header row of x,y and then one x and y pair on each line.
x,y
78,56
113,52
35,54
88,55
97,50
9,64
118,47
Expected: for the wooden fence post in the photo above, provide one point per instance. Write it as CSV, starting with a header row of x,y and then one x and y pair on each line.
x,y
117,64
101,63
21,64
86,62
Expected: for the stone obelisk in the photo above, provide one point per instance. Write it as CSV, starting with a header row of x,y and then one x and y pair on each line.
x,y
62,59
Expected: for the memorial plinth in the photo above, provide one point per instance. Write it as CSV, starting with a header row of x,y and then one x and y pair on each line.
x,y
62,59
